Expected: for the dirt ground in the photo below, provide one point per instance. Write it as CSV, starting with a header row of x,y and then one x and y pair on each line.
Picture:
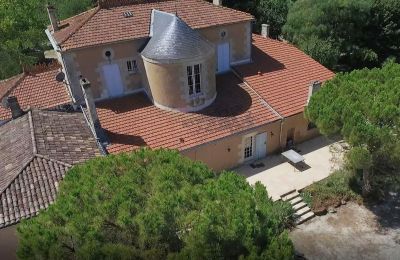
x,y
353,232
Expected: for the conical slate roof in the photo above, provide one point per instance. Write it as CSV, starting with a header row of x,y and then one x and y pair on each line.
x,y
173,40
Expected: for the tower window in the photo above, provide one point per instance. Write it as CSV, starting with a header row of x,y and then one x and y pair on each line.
x,y
194,79
132,66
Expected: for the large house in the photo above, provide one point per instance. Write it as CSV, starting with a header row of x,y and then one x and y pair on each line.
x,y
179,74
186,75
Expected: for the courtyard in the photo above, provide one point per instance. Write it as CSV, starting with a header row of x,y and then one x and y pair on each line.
x,y
322,157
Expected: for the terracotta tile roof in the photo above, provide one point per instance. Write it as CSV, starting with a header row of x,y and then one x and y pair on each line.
x,y
99,26
134,121
35,152
8,84
40,90
286,73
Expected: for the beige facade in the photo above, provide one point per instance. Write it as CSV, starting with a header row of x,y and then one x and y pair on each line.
x,y
238,35
89,63
228,152
297,128
168,84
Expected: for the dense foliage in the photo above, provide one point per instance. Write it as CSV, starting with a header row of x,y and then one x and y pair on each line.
x,y
22,25
364,107
346,34
272,12
154,205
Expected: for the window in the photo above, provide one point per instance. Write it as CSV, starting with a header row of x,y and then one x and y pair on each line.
x,y
132,66
248,147
194,79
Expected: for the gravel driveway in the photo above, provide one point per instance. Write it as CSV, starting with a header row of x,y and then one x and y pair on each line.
x,y
354,232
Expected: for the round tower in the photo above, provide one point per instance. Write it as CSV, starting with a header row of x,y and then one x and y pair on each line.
x,y
180,65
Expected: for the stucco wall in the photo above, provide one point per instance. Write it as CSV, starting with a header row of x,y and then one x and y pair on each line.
x,y
88,62
238,35
301,133
8,242
228,152
168,83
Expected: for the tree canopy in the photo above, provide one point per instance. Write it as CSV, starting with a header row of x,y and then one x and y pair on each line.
x,y
22,36
364,107
272,12
157,205
345,34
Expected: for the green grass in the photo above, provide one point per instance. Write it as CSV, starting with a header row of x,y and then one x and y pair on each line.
x,y
340,185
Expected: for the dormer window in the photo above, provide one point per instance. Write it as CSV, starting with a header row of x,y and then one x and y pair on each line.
x,y
194,79
132,66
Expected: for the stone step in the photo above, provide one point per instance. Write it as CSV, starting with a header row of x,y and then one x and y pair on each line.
x,y
290,196
295,200
299,205
286,193
304,218
302,211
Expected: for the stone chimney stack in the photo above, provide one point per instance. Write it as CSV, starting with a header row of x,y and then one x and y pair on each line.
x,y
51,10
313,88
265,30
217,2
91,110
13,105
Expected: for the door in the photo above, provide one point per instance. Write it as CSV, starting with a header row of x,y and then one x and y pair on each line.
x,y
261,145
223,57
290,138
113,80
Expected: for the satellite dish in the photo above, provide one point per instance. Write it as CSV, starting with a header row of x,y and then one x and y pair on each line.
x,y
60,76
4,102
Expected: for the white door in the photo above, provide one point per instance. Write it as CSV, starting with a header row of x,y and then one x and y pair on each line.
x,y
223,57
113,80
261,145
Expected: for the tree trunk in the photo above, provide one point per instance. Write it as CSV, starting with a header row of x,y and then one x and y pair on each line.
x,y
366,188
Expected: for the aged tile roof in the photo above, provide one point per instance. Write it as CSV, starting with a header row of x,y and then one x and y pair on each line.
x,y
35,152
35,90
105,25
281,74
133,121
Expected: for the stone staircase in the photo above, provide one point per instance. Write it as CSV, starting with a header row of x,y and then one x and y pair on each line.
x,y
302,212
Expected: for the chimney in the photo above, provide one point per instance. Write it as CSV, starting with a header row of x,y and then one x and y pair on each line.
x,y
265,30
13,105
91,111
51,10
217,2
313,88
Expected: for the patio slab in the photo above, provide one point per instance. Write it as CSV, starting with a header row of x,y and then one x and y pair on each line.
x,y
322,157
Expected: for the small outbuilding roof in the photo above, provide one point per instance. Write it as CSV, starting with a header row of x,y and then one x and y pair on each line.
x,y
173,40
36,150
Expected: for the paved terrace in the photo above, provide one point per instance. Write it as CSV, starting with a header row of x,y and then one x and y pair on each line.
x,y
322,157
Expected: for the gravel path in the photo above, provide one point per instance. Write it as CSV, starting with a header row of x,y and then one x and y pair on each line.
x,y
354,232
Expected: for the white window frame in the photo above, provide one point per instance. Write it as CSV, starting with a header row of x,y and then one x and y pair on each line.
x,y
194,80
248,151
131,66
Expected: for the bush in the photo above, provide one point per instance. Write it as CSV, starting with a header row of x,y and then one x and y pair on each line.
x,y
340,185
